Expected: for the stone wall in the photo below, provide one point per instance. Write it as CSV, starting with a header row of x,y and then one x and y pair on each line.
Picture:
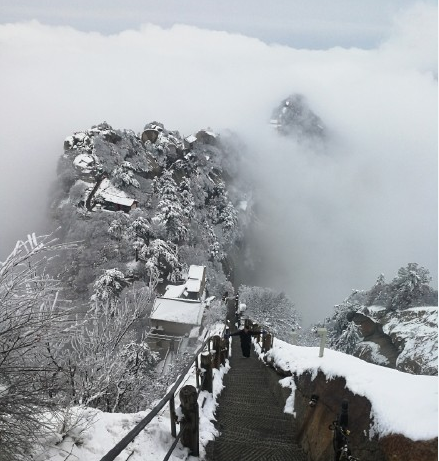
x,y
316,438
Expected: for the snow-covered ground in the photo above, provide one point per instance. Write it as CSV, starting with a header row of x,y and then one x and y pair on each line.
x,y
98,432
397,400
93,433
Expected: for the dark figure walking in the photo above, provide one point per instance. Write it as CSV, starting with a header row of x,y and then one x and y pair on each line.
x,y
246,339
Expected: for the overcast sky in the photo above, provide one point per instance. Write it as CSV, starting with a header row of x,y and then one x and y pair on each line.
x,y
368,69
316,24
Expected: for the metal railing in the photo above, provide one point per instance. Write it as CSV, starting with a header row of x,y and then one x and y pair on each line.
x,y
208,361
341,434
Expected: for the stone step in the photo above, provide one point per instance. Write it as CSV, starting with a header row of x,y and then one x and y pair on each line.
x,y
250,416
246,450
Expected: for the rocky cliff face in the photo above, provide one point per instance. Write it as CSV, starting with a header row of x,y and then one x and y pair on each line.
x,y
406,340
148,205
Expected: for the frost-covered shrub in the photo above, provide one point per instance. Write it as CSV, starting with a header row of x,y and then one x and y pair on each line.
x,y
107,288
214,313
103,360
32,313
270,309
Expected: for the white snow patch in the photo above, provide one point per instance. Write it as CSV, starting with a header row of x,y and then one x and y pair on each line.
x,y
374,350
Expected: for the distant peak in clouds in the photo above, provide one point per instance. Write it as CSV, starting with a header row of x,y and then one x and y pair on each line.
x,y
293,117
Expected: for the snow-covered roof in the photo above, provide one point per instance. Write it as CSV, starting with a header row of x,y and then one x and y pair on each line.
x,y
196,272
190,139
210,133
177,310
83,161
193,285
174,291
112,194
195,277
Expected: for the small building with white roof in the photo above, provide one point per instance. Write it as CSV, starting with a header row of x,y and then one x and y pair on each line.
x,y
113,198
176,316
181,308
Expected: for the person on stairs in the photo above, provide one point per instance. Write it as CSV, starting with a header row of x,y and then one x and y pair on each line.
x,y
245,336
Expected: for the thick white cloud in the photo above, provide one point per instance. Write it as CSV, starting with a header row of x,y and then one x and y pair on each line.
x,y
369,205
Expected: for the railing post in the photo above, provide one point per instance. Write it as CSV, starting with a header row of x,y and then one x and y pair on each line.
x,y
322,332
197,373
206,363
190,430
172,411
224,345
267,342
216,343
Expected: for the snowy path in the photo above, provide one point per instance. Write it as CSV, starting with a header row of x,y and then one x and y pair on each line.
x,y
250,415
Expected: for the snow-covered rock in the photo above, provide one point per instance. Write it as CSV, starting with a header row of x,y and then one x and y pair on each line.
x,y
293,117
404,339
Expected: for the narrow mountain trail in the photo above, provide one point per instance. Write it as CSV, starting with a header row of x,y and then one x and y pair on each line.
x,y
250,416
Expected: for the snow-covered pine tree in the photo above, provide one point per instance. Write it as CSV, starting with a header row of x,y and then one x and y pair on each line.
x,y
186,197
214,248
229,222
342,317
162,256
409,286
123,176
118,226
378,294
348,341
107,288
169,209
140,228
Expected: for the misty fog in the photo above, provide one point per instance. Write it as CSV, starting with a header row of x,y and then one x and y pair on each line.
x,y
333,219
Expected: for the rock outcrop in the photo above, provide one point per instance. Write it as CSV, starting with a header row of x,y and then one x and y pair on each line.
x,y
293,117
405,339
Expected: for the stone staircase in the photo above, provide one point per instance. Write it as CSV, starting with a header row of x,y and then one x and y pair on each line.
x,y
250,415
